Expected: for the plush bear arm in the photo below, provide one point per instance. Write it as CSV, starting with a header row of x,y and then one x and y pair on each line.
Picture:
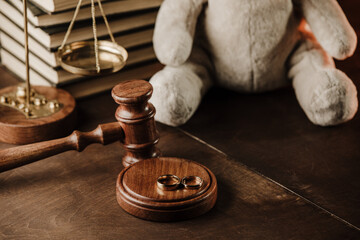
x,y
175,29
330,26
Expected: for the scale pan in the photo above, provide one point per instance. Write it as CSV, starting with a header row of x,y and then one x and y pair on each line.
x,y
79,58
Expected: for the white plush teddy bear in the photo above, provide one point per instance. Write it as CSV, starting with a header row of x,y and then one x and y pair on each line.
x,y
253,46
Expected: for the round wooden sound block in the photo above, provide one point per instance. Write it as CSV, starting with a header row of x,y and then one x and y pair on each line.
x,y
138,194
15,128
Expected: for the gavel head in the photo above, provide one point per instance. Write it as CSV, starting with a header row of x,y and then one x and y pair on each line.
x,y
136,117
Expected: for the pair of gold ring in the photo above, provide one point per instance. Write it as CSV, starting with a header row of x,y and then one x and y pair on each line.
x,y
170,182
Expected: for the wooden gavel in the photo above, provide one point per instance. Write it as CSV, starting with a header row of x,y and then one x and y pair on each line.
x,y
135,129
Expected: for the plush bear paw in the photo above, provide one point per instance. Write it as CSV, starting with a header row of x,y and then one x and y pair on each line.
x,y
333,99
177,94
170,55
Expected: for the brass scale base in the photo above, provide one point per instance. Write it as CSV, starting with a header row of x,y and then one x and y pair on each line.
x,y
51,114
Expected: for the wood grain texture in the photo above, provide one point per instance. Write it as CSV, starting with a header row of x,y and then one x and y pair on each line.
x,y
15,128
61,198
138,194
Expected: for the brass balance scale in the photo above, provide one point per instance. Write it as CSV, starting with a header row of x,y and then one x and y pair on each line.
x,y
36,113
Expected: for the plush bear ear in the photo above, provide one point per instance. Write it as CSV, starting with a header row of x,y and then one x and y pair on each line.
x,y
330,26
175,29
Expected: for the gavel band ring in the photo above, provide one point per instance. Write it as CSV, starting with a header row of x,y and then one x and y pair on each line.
x,y
168,182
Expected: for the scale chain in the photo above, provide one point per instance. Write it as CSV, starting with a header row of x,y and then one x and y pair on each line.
x,y
71,25
106,21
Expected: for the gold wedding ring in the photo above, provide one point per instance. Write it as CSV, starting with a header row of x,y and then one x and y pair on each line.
x,y
168,182
192,182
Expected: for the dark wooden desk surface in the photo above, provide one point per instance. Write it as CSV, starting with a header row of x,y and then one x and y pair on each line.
x,y
280,177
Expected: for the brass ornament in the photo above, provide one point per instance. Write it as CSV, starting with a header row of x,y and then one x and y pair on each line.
x,y
38,105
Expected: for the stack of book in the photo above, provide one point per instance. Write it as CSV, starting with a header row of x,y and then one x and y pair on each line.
x,y
131,21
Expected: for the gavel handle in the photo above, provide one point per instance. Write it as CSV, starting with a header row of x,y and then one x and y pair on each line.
x,y
22,155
